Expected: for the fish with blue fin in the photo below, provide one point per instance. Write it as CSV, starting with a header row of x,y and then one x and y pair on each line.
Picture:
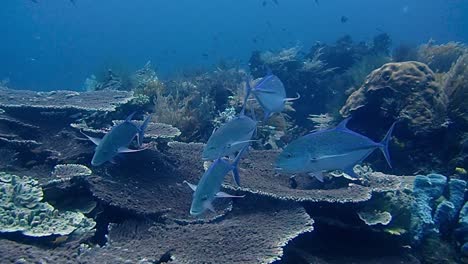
x,y
209,186
117,140
270,94
231,137
332,149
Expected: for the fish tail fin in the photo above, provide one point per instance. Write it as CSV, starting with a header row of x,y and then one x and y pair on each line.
x,y
141,131
248,89
384,144
235,164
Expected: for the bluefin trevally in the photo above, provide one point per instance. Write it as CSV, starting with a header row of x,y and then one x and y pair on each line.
x,y
332,149
231,137
270,94
209,186
117,140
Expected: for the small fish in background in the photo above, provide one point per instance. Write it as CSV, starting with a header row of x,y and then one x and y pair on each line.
x,y
264,3
332,149
316,2
231,137
209,186
405,9
344,19
117,140
270,94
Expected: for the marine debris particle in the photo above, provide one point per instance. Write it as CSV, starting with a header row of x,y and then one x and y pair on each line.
x,y
106,100
254,232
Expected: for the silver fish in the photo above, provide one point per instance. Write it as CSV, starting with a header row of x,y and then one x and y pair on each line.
x,y
270,94
333,149
209,186
117,140
231,137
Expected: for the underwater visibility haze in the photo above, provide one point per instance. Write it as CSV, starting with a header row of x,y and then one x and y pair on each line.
x,y
260,131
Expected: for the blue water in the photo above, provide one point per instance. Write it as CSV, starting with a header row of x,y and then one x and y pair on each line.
x,y
56,45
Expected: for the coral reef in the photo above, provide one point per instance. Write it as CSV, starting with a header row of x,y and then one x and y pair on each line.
x,y
426,191
406,92
401,91
323,74
257,233
264,181
455,85
440,57
63,100
375,217
22,210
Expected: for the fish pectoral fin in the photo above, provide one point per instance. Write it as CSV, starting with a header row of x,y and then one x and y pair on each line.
x,y
192,186
298,96
227,195
208,205
127,150
318,175
242,142
316,159
95,140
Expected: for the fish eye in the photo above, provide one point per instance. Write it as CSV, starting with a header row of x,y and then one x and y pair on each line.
x,y
204,198
289,155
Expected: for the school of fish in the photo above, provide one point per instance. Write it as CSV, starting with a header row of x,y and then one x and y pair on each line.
x,y
338,148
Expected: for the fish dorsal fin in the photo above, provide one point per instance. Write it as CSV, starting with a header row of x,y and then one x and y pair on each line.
x,y
141,130
95,140
259,86
343,124
235,169
192,186
130,117
248,89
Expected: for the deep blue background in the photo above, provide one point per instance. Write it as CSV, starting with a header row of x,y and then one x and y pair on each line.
x,y
55,45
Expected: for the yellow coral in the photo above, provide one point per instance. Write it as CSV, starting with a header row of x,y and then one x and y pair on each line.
x,y
460,170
